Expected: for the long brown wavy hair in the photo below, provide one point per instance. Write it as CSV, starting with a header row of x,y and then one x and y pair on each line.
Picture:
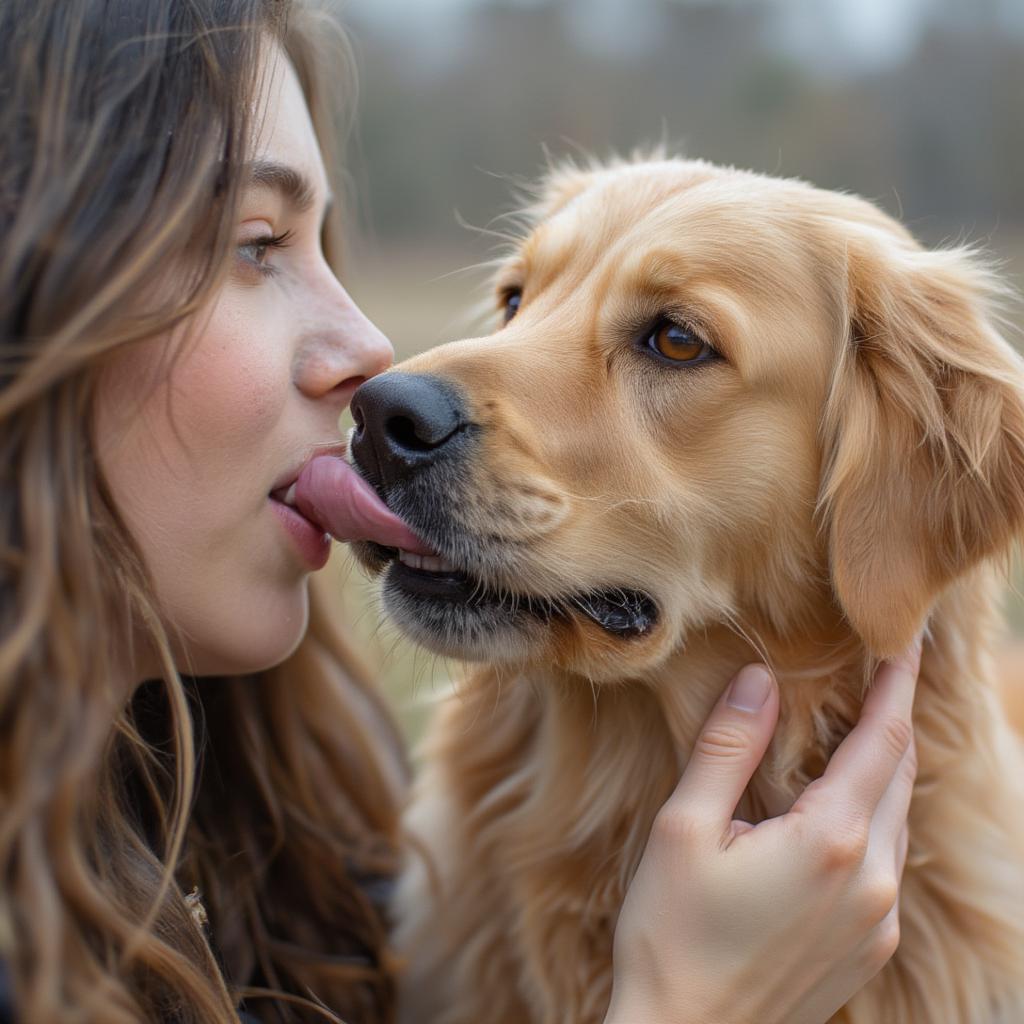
x,y
125,127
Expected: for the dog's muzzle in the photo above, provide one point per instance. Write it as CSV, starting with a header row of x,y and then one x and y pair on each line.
x,y
414,442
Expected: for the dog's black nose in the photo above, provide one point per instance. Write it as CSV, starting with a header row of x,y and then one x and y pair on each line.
x,y
404,422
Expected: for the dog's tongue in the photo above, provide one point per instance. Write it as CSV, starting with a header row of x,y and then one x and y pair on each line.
x,y
330,492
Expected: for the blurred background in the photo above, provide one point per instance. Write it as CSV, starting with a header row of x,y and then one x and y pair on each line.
x,y
915,104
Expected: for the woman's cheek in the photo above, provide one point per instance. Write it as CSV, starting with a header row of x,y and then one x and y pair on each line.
x,y
186,429
233,383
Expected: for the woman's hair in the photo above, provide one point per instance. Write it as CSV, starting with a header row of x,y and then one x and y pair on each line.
x,y
125,128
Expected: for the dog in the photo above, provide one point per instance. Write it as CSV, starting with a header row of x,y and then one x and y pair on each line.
x,y
725,417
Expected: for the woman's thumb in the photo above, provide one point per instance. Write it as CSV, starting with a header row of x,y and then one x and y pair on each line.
x,y
729,748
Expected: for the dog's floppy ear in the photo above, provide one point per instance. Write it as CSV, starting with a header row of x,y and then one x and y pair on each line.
x,y
923,471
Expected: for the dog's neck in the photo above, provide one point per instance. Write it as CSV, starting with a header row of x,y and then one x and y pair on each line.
x,y
823,669
821,676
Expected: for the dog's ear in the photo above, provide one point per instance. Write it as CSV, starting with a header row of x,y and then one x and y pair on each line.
x,y
923,434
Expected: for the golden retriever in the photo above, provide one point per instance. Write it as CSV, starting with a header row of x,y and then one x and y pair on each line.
x,y
728,417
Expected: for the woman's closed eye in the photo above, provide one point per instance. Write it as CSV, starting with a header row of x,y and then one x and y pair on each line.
x,y
254,253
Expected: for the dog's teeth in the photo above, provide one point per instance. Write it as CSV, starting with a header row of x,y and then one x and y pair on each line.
x,y
411,560
428,563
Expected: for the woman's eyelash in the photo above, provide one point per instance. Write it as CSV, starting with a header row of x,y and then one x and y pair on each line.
x,y
254,252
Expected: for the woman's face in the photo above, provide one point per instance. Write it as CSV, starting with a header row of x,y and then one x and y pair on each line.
x,y
197,429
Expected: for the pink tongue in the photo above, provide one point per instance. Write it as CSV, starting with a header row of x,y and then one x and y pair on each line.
x,y
330,492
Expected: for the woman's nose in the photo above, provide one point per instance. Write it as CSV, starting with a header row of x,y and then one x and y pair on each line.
x,y
341,351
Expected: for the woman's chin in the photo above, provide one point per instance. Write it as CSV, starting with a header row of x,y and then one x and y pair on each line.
x,y
251,638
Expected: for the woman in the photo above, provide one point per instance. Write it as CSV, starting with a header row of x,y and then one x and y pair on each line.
x,y
198,784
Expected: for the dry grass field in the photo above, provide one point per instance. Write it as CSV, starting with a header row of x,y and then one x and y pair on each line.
x,y
421,299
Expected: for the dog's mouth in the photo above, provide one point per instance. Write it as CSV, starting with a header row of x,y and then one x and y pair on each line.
x,y
437,584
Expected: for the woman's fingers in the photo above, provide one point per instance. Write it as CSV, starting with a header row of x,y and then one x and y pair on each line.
x,y
864,765
728,750
902,849
826,882
890,820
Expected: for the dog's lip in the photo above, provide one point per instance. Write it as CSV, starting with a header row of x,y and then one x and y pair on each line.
x,y
622,612
625,613
459,588
444,586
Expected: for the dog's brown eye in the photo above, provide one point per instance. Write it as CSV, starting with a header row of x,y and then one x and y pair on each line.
x,y
679,344
512,299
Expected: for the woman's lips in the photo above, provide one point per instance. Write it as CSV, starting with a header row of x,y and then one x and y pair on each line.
x,y
330,492
313,544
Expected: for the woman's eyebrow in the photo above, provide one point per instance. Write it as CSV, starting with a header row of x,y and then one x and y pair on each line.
x,y
293,185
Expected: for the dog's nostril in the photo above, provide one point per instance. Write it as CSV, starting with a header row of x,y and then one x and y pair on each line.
x,y
403,431
405,422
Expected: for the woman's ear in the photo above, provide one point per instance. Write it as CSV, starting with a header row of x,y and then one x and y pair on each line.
x,y
923,470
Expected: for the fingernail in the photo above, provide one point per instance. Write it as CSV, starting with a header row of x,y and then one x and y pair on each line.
x,y
750,688
911,657
918,643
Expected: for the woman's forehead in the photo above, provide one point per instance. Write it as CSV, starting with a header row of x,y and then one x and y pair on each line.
x,y
285,134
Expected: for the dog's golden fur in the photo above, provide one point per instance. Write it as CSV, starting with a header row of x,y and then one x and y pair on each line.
x,y
850,469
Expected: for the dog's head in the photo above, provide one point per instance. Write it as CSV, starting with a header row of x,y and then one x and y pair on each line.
x,y
715,397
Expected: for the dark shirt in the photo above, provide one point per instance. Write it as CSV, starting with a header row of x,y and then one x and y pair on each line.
x,y
6,999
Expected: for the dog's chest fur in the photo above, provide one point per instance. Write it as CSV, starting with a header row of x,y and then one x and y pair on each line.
x,y
539,795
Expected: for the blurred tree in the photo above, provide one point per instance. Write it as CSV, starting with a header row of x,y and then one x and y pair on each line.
x,y
938,136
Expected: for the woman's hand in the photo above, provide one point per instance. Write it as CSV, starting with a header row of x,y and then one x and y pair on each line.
x,y
780,922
